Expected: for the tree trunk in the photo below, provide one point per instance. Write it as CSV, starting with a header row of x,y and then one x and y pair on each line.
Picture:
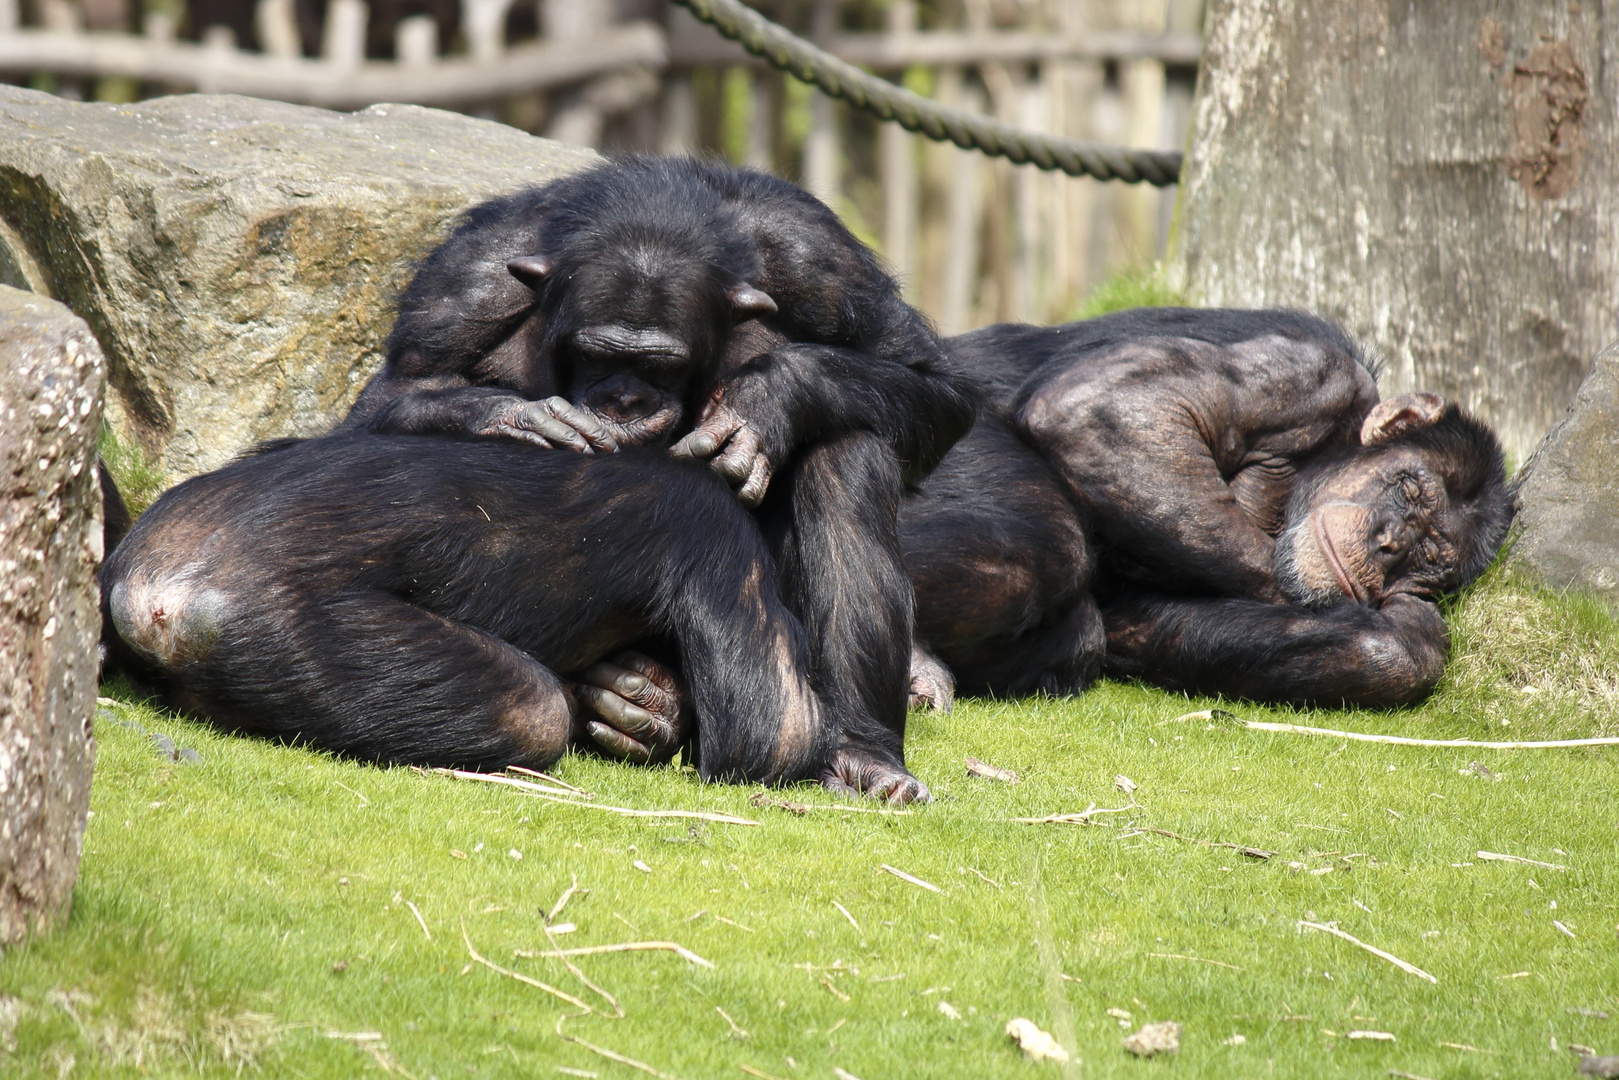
x,y
1436,176
51,380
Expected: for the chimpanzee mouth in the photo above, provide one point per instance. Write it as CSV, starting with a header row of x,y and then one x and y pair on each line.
x,y
640,430
1329,554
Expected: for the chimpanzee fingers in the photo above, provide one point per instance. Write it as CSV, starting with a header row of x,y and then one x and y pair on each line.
x,y
537,418
585,423
617,744
706,439
735,462
752,493
642,664
613,708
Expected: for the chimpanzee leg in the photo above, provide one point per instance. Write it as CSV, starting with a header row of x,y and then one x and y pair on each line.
x,y
832,522
361,673
1344,654
1062,657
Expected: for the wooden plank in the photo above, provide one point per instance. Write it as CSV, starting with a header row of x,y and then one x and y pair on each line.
x,y
885,52
526,67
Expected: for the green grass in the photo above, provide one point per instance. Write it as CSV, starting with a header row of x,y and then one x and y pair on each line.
x,y
233,911
1148,287
138,475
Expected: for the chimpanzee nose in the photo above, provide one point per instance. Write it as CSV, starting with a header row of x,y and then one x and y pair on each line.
x,y
620,399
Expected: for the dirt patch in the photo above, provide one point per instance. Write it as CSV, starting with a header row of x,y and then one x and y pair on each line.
x,y
1548,97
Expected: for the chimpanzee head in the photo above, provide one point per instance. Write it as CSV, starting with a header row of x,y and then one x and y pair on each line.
x,y
641,275
1420,506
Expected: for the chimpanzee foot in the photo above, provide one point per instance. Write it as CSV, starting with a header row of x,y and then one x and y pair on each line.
x,y
857,772
932,684
634,708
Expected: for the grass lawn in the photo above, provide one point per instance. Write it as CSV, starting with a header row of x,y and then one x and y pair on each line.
x,y
267,909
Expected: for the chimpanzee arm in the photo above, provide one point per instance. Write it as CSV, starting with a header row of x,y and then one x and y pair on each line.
x,y
801,394
1347,653
446,405
1182,451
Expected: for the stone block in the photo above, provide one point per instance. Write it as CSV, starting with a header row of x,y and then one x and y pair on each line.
x,y
52,375
1568,499
238,259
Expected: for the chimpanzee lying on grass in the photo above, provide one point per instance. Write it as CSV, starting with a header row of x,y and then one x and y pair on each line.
x,y
1264,527
411,599
657,302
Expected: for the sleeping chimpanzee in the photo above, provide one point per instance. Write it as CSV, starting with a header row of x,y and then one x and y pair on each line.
x,y
1264,526
429,600
666,301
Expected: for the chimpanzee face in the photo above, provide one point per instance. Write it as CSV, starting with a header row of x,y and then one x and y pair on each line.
x,y
1420,508
636,334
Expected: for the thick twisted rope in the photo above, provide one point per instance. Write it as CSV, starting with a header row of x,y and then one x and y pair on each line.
x,y
782,49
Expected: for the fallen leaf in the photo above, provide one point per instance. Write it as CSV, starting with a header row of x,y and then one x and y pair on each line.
x,y
1119,1014
1163,1037
641,866
949,1011
991,772
1124,783
1037,1045
1237,1039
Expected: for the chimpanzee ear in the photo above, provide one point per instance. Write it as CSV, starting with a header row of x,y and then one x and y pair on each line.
x,y
1390,419
749,303
531,270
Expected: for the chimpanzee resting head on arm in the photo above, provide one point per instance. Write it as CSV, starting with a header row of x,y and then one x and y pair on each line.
x,y
1265,527
655,300
588,314
1419,507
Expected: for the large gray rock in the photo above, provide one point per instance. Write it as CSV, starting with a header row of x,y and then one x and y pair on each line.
x,y
1568,512
238,258
51,379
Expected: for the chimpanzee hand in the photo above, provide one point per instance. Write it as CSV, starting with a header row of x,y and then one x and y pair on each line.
x,y
644,710
549,423
856,772
736,448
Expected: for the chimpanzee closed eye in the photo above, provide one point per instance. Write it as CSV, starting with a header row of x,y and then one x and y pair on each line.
x,y
1262,525
1418,508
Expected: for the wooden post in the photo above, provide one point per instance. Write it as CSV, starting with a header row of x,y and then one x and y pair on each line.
x,y
416,40
276,22
821,164
897,158
483,23
961,268
679,127
342,42
761,153
575,117
1141,83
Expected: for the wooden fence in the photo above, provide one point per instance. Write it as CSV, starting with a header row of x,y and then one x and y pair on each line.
x,y
974,240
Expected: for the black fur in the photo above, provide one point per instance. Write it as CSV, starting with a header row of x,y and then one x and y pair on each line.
x,y
1184,441
843,388
424,600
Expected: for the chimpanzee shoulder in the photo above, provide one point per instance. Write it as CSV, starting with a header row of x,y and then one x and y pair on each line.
x,y
1011,356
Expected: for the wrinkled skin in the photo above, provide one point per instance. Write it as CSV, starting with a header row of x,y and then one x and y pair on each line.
x,y
1263,526
731,318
